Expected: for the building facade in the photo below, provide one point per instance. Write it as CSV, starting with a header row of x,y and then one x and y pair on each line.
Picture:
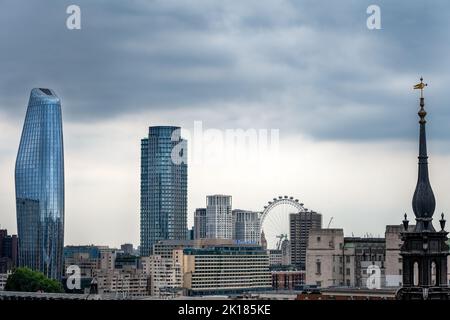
x,y
165,277
123,283
200,223
300,225
335,260
225,270
39,178
219,219
394,262
324,259
288,279
163,187
246,226
127,248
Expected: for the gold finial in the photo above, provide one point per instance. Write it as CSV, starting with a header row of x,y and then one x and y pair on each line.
x,y
421,86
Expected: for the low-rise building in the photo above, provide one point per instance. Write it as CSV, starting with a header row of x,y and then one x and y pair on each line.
x,y
3,279
288,279
227,269
164,274
124,283
324,258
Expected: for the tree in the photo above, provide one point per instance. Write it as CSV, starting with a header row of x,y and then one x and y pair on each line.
x,y
27,280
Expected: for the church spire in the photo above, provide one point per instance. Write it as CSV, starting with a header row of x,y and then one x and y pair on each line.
x,y
423,201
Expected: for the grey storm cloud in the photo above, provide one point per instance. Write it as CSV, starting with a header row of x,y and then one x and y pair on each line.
x,y
307,66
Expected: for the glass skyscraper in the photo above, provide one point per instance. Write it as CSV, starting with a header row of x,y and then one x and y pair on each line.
x,y
39,177
163,187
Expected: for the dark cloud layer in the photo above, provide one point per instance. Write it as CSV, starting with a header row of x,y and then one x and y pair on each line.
x,y
309,66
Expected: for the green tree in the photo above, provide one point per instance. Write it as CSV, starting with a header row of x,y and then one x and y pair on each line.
x,y
27,280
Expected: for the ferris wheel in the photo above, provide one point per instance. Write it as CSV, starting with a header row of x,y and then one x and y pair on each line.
x,y
274,219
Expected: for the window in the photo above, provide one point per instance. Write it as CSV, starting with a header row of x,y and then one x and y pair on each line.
x,y
433,274
318,239
416,273
400,260
348,282
318,267
347,271
347,259
400,271
319,283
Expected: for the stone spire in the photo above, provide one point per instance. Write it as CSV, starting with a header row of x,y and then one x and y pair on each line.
x,y
423,202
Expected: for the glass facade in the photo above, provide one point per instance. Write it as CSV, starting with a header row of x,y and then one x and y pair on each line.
x,y
163,187
39,177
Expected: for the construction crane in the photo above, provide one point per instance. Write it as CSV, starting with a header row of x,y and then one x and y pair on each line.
x,y
281,238
329,223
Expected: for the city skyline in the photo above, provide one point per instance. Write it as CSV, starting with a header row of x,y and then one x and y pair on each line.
x,y
345,115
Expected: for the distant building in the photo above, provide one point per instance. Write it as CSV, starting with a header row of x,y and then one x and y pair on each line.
x,y
123,283
163,187
3,279
286,252
126,261
165,248
219,220
324,258
225,270
200,223
190,234
85,257
263,240
394,261
39,179
246,226
288,279
165,277
335,260
300,225
275,257
8,251
364,258
127,248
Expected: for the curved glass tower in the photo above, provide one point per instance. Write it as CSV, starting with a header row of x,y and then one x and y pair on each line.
x,y
39,177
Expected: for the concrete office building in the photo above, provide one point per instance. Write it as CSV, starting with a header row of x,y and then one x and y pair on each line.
x,y
225,270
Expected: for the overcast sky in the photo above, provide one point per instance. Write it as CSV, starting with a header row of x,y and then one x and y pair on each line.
x,y
340,94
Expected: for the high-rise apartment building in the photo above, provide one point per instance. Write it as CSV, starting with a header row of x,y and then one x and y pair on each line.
x,y
246,226
200,223
219,219
39,177
300,225
163,187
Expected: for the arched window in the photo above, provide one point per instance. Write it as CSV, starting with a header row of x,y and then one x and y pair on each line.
x,y
416,273
433,274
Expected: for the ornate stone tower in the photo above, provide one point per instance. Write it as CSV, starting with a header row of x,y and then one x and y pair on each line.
x,y
424,250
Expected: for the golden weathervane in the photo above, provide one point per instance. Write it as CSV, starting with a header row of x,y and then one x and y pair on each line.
x,y
421,86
